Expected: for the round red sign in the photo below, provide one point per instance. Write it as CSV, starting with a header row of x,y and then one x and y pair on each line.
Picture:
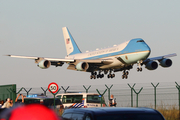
x,y
53,87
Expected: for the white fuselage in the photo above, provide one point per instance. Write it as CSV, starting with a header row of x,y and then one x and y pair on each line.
x,y
124,54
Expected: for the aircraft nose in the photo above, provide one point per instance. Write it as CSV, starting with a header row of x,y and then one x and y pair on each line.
x,y
148,49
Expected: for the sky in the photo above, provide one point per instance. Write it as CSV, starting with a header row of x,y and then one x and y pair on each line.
x,y
34,28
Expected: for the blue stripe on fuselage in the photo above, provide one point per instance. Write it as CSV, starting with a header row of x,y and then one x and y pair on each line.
x,y
132,46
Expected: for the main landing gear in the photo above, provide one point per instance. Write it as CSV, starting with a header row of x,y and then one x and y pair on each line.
x,y
94,75
110,75
125,74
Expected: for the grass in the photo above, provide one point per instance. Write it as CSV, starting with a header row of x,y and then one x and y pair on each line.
x,y
170,113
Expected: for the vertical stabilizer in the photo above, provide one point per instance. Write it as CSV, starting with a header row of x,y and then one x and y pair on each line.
x,y
71,46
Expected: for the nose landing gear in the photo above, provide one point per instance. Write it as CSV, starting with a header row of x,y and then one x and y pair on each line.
x,y
139,69
139,63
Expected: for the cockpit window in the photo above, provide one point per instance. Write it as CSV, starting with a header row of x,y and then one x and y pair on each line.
x,y
140,41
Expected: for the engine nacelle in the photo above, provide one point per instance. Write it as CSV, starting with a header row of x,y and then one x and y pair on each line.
x,y
151,65
166,62
44,64
81,66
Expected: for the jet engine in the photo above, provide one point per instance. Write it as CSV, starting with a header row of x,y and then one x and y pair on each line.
x,y
44,64
81,66
151,65
166,62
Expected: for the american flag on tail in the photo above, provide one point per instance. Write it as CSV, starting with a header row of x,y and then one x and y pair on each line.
x,y
67,41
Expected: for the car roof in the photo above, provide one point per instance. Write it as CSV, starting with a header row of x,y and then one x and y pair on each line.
x,y
78,93
40,97
112,110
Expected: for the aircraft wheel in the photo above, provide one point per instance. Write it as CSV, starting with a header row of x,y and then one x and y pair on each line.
x,y
113,75
108,76
102,75
91,77
126,76
94,76
98,76
95,73
122,76
140,69
105,71
127,73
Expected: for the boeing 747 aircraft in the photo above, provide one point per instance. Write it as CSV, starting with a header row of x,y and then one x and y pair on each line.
x,y
120,57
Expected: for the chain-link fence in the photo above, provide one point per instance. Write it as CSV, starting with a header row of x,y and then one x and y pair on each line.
x,y
139,95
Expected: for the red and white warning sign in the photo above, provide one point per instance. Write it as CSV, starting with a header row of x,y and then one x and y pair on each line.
x,y
53,87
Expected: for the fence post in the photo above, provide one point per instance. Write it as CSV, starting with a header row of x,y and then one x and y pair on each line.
x,y
27,91
44,91
178,87
65,89
54,94
108,91
132,93
137,93
14,91
155,93
86,88
101,95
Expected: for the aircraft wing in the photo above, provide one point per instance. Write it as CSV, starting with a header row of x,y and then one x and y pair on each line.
x,y
54,61
60,62
160,57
